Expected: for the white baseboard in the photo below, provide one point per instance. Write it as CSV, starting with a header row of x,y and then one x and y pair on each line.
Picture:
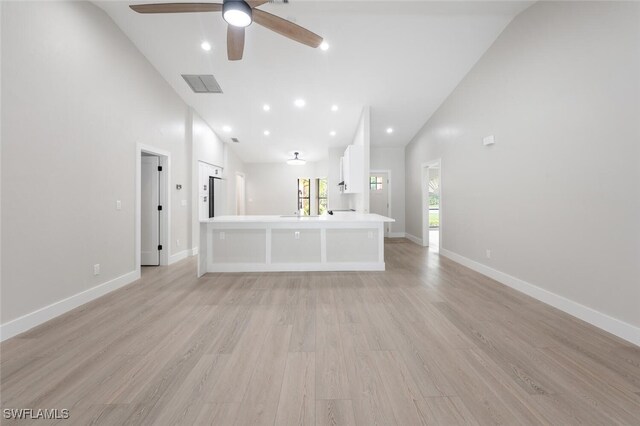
x,y
182,255
414,239
396,235
42,315
295,267
612,325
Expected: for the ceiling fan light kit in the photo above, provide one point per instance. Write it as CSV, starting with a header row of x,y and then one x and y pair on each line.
x,y
239,14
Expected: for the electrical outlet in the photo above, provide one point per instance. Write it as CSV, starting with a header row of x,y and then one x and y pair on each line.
x,y
118,205
297,235
184,203
96,269
222,237
488,254
177,243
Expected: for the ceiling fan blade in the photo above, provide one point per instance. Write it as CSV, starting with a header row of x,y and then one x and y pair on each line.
x,y
256,3
235,42
177,7
286,28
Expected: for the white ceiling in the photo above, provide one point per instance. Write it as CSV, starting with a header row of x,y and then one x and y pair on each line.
x,y
401,58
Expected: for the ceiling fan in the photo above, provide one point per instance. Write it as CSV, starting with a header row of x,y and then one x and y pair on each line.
x,y
239,14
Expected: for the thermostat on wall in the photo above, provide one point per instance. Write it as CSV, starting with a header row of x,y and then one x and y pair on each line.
x,y
488,140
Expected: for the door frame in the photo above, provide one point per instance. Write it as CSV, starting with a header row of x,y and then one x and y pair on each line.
x,y
165,194
388,172
424,175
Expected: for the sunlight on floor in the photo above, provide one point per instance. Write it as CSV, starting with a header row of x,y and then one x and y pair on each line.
x,y
434,239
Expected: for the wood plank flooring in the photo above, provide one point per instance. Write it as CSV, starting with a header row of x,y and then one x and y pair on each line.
x,y
427,342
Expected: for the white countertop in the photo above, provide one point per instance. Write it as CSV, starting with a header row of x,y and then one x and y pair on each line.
x,y
336,218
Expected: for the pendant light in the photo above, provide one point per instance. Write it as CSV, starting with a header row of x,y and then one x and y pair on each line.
x,y
295,161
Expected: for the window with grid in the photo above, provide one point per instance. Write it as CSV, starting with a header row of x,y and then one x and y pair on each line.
x,y
375,183
321,195
304,197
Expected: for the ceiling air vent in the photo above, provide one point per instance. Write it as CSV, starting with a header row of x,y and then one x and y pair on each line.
x,y
202,83
235,140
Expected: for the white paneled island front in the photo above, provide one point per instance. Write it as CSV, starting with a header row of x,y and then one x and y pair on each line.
x,y
341,242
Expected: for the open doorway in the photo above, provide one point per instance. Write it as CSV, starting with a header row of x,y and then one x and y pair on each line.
x,y
431,205
152,207
380,195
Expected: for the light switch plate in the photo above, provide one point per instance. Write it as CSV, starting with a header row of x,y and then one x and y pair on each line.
x,y
118,205
488,140
184,203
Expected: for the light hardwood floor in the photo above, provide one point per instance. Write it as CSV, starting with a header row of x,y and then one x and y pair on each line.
x,y
426,342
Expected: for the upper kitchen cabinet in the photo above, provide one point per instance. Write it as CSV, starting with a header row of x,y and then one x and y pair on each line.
x,y
353,169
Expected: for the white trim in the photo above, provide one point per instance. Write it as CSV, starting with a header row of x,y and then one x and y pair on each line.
x,y
414,239
396,235
177,257
289,267
424,175
42,315
603,321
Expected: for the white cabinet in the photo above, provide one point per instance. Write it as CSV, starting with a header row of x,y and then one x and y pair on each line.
x,y
353,169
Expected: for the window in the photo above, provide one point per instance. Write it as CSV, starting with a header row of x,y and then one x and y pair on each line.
x,y
375,183
304,197
321,195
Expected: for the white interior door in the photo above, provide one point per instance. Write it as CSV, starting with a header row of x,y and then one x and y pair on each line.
x,y
149,213
379,195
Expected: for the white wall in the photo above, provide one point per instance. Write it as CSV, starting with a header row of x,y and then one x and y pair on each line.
x,y
360,202
209,148
233,165
81,97
392,159
557,198
271,188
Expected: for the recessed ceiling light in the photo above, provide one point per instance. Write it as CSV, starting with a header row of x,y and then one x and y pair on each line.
x,y
300,103
389,129
205,46
226,129
332,133
324,46
334,108
266,107
267,133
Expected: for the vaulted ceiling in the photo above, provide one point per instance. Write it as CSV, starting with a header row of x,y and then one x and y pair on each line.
x,y
400,58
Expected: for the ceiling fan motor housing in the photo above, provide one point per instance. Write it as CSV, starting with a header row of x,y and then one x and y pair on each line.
x,y
237,13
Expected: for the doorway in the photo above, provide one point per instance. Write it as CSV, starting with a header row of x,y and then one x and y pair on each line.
x,y
152,235
380,195
431,205
240,196
150,213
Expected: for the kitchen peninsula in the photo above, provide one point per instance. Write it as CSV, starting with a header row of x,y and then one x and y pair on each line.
x,y
341,242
